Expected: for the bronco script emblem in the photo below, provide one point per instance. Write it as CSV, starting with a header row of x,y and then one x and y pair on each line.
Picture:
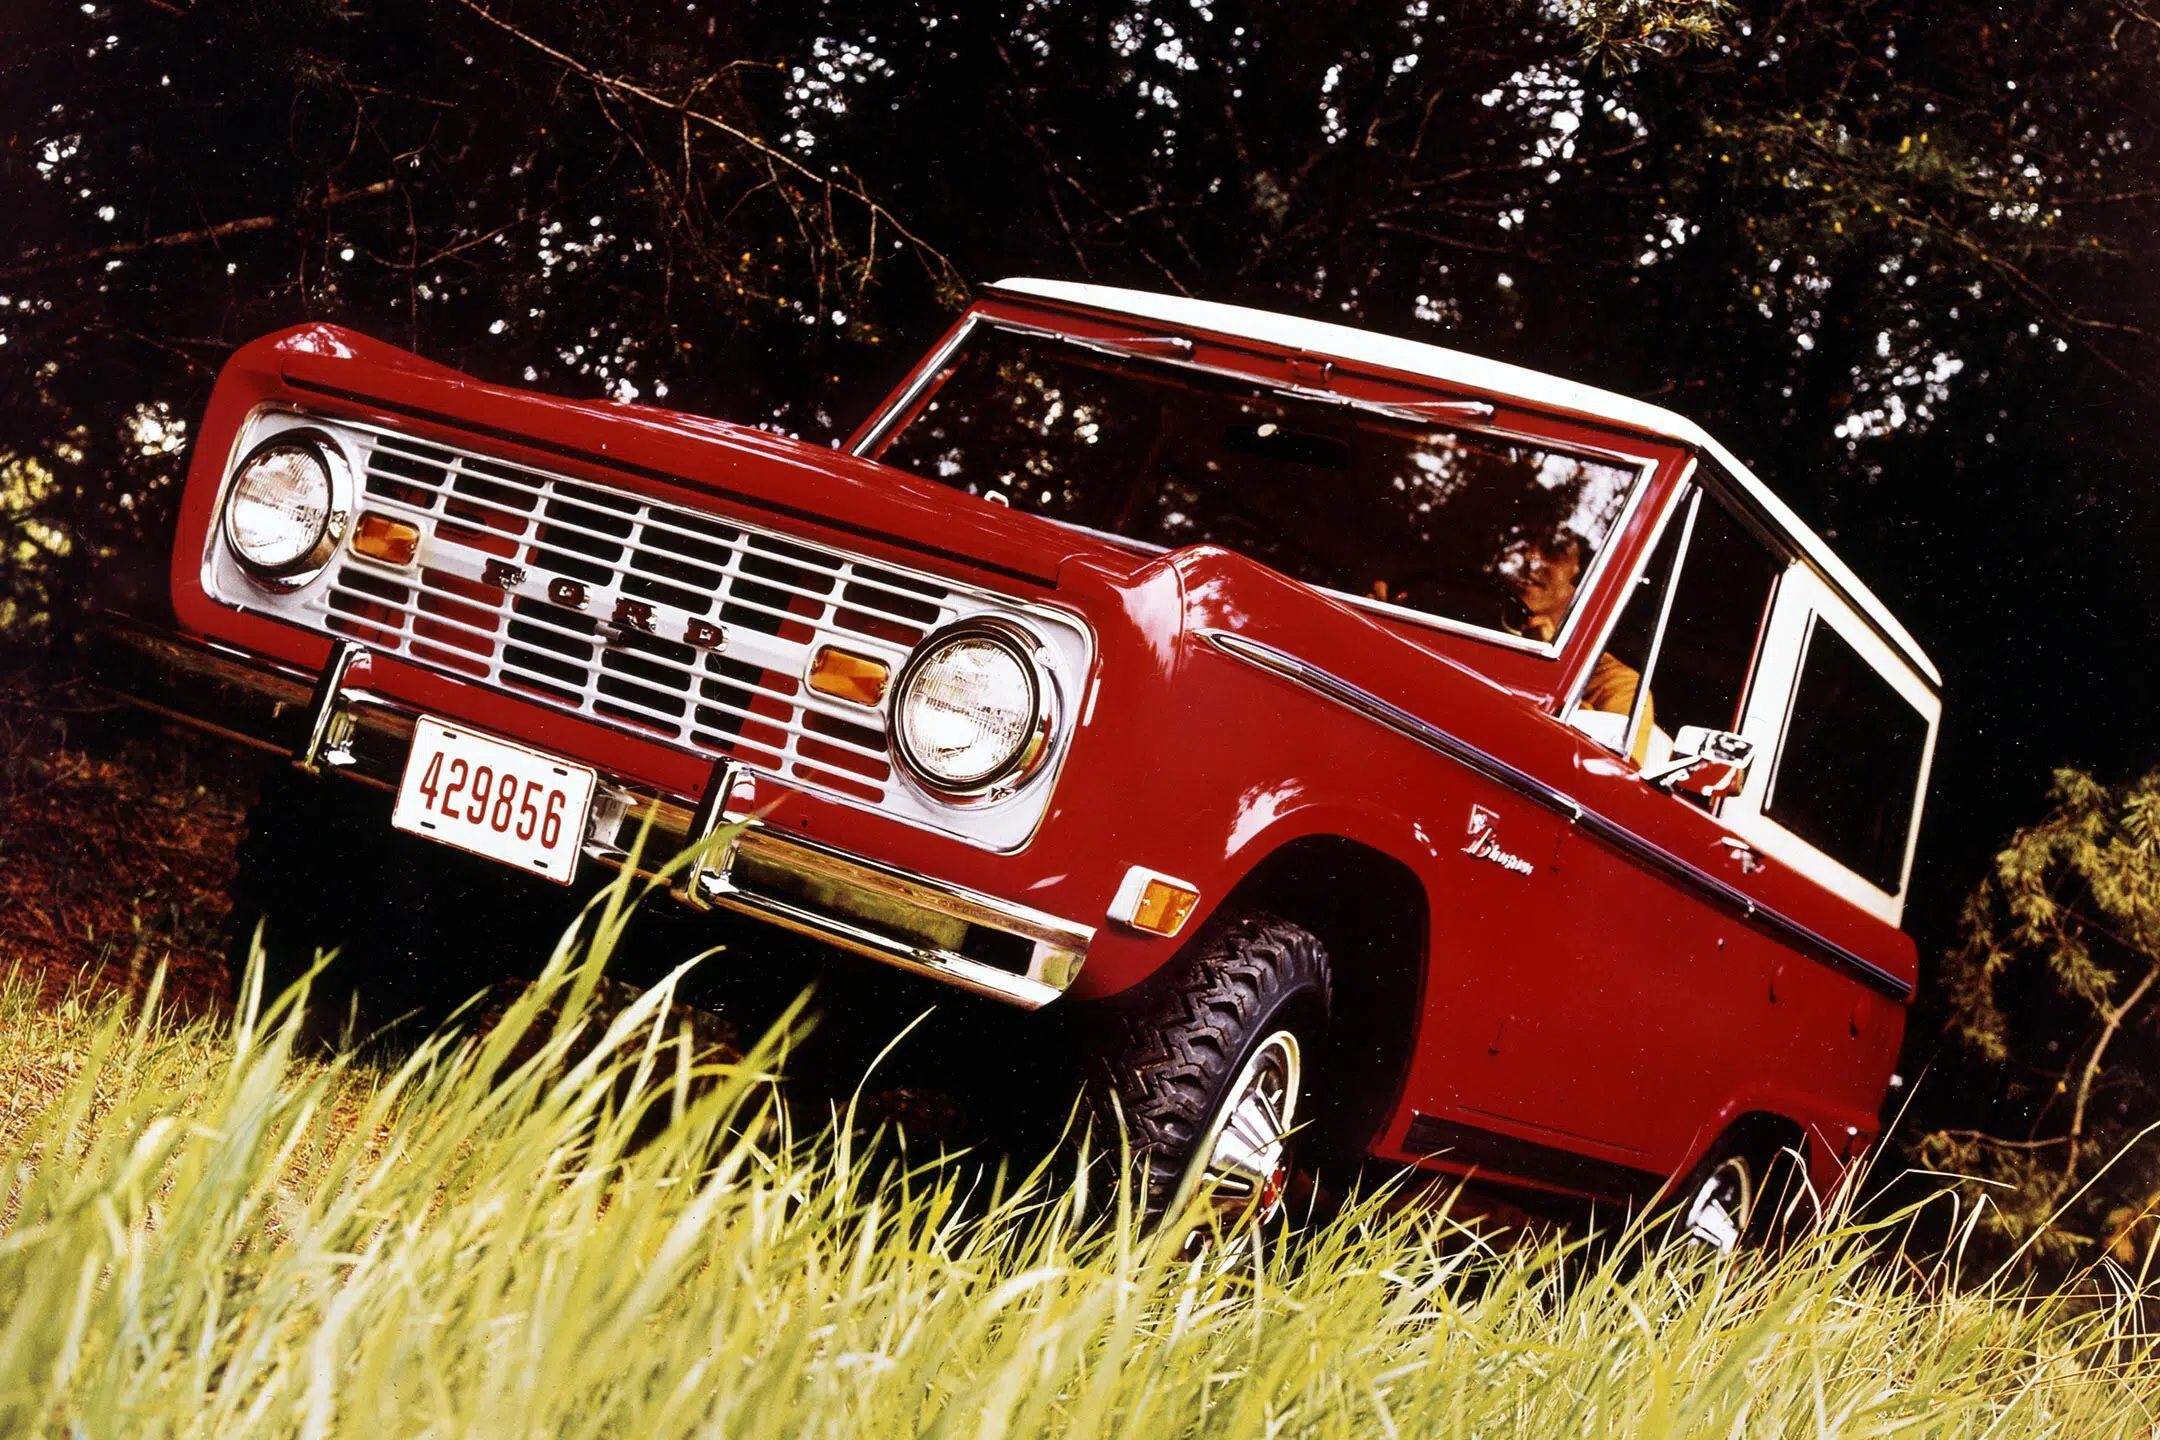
x,y
1486,846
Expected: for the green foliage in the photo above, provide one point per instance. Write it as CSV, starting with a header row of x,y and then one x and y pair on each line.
x,y
1620,31
30,545
579,1224
2051,996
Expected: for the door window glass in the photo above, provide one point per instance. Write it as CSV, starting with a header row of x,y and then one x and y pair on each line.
x,y
1609,694
1848,773
1699,674
1699,662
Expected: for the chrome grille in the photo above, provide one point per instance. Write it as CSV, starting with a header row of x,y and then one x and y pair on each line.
x,y
651,617
687,577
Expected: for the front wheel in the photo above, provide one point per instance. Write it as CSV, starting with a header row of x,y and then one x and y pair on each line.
x,y
1209,1065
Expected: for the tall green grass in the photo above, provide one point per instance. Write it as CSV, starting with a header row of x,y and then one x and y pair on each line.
x,y
577,1224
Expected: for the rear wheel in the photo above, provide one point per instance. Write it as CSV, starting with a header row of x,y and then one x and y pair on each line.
x,y
1717,1211
1209,1065
1755,1197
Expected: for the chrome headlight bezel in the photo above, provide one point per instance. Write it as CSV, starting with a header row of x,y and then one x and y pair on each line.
x,y
337,509
1026,759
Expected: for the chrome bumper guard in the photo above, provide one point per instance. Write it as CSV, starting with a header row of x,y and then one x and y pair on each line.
x,y
332,723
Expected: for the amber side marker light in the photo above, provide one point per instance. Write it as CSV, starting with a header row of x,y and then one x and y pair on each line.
x,y
1150,901
394,542
845,676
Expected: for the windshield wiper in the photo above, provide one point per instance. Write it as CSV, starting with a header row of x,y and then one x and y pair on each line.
x,y
1177,347
1157,347
1423,412
1439,410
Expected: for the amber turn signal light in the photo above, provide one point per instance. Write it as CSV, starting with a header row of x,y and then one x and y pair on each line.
x,y
394,542
1153,902
844,676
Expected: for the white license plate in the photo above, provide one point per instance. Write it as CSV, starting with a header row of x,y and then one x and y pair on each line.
x,y
506,802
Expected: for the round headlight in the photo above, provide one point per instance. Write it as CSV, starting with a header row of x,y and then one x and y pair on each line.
x,y
972,711
284,514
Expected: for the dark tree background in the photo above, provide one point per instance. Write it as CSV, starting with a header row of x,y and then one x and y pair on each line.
x,y
1899,254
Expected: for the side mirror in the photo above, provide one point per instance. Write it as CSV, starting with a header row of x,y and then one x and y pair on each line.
x,y
1709,763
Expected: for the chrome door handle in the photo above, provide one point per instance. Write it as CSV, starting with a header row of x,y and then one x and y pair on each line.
x,y
1749,857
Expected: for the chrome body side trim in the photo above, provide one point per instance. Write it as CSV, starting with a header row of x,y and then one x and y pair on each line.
x,y
1646,853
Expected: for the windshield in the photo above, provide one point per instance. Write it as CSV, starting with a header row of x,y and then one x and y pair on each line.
x,y
1485,531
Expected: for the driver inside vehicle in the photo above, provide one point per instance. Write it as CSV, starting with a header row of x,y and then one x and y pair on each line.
x,y
1541,576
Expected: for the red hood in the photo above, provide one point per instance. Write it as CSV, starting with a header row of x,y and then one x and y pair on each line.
x,y
737,464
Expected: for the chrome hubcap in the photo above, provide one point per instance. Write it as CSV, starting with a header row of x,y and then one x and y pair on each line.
x,y
1719,1209
1244,1159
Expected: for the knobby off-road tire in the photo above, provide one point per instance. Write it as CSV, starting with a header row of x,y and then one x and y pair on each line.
x,y
1169,1053
417,928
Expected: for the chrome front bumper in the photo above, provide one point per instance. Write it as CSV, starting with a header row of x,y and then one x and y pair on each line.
x,y
330,723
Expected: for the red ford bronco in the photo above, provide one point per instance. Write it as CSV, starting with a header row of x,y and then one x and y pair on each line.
x,y
1380,747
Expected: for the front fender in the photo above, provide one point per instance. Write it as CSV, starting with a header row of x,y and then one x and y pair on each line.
x,y
1200,765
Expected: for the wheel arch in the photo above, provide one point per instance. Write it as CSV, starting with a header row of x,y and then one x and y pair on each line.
x,y
1373,914
1760,1135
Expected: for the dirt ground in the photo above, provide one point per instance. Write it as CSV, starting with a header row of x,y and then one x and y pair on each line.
x,y
116,843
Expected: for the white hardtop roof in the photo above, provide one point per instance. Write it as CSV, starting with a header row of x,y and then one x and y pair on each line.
x,y
1343,342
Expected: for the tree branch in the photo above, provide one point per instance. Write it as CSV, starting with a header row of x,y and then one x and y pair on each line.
x,y
773,156
2114,1019
209,233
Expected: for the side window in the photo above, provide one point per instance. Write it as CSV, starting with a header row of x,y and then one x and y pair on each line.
x,y
1699,674
1699,659
1847,776
1609,693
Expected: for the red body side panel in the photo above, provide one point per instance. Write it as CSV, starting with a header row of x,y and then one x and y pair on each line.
x,y
1589,1004
1584,1003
